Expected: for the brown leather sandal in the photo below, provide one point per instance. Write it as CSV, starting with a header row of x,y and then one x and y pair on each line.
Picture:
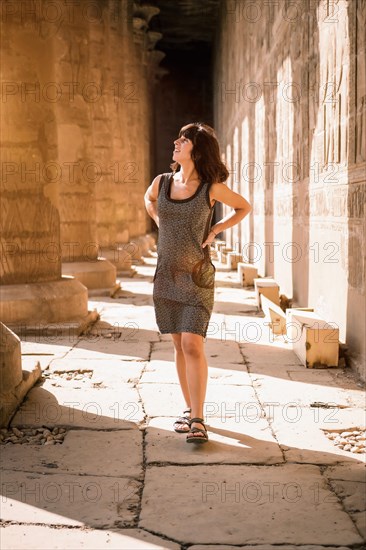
x,y
185,420
202,438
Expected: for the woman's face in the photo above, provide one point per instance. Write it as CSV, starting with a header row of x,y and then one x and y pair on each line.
x,y
182,149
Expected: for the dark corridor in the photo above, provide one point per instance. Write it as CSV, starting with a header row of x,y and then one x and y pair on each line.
x,y
184,91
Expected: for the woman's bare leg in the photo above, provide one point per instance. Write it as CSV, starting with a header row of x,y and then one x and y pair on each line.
x,y
180,364
197,373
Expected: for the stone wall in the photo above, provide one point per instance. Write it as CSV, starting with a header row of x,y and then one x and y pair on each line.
x,y
290,112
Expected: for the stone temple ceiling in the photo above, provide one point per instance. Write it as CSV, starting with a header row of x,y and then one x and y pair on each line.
x,y
186,25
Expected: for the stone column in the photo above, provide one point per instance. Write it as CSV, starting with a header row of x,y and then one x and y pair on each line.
x,y
121,95
33,290
143,122
133,133
84,165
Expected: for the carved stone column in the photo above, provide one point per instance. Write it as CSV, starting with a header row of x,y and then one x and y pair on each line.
x,y
121,98
143,123
33,291
84,160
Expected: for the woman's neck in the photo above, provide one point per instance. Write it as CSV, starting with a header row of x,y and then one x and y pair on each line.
x,y
188,172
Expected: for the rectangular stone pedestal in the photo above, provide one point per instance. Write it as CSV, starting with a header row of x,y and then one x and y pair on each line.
x,y
246,273
232,260
315,342
223,253
275,314
269,288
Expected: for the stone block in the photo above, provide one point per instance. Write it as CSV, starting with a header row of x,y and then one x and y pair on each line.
x,y
276,315
223,253
120,257
315,342
232,260
246,273
290,311
48,302
269,288
99,274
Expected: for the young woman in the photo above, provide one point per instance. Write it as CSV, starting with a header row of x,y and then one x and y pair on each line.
x,y
181,203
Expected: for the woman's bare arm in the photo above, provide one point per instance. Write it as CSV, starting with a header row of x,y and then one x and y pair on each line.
x,y
151,199
241,208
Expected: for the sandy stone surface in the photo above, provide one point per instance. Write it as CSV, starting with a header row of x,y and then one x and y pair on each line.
x,y
166,399
120,477
164,371
62,499
36,537
132,348
300,431
270,388
255,500
230,442
83,452
108,372
92,409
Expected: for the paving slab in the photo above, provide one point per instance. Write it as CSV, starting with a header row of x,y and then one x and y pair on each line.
x,y
351,471
320,377
161,372
245,327
46,350
110,372
82,452
165,372
216,321
37,537
162,399
230,442
167,400
352,494
219,353
163,350
261,356
360,520
122,313
60,499
131,349
123,316
270,388
300,432
54,344
245,505
92,408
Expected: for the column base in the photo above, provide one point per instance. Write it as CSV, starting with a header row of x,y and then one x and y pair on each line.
x,y
15,383
143,245
98,276
120,257
48,303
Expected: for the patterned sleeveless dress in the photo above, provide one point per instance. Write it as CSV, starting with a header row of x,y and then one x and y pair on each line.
x,y
180,304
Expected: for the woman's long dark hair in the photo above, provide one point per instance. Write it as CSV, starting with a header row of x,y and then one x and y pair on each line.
x,y
205,153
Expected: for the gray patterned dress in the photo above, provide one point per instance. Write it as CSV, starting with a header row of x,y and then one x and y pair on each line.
x,y
180,304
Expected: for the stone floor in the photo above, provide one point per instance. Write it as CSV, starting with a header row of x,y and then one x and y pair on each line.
x,y
121,478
